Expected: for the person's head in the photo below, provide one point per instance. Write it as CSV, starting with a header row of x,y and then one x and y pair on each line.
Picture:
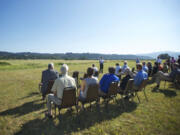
x,y
149,63
165,63
127,71
93,65
139,66
64,69
158,57
155,63
172,58
179,56
125,62
111,70
50,66
144,63
117,64
90,71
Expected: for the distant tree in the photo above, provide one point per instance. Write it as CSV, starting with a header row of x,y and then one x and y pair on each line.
x,y
164,56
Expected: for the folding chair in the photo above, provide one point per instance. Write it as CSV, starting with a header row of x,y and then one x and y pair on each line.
x,y
68,99
141,88
112,92
92,95
127,91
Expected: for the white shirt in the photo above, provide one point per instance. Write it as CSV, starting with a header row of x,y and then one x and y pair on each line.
x,y
117,70
95,69
159,61
61,83
101,61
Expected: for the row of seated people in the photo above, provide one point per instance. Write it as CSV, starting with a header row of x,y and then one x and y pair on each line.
x,y
66,81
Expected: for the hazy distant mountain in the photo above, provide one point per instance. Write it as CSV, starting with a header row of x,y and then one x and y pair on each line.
x,y
155,54
69,56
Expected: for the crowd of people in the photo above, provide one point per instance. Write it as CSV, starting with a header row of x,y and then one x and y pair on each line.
x,y
158,72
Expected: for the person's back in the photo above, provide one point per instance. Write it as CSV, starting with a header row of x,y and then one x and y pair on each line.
x,y
140,76
107,79
118,67
86,82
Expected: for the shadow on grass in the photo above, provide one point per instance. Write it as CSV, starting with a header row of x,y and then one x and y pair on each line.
x,y
24,108
31,95
168,93
73,122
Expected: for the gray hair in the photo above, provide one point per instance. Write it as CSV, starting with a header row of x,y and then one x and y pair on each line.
x,y
64,69
50,65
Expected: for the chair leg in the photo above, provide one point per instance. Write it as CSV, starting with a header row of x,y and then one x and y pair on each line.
x,y
145,95
138,97
164,84
76,108
55,110
123,103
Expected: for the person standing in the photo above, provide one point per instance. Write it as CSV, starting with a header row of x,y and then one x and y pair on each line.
x,y
101,64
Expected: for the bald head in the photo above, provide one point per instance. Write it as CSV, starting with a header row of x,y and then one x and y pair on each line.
x,y
64,69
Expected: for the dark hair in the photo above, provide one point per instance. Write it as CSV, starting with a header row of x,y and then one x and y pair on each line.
x,y
93,65
111,70
90,71
117,64
139,66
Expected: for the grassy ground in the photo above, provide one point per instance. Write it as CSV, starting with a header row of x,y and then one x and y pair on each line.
x,y
22,111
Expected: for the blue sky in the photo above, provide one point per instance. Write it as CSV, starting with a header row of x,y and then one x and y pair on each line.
x,y
98,26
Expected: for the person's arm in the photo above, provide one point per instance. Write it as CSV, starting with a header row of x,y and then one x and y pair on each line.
x,y
54,88
83,84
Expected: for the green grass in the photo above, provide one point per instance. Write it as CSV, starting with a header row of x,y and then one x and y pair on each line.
x,y
22,111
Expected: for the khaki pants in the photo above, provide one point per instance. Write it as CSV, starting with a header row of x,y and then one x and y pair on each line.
x,y
160,76
54,99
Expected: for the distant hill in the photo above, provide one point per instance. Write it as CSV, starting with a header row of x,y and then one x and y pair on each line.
x,y
155,54
68,56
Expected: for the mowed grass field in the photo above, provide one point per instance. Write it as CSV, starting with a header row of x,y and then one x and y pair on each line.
x,y
22,110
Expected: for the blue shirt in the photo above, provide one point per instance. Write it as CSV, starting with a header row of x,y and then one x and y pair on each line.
x,y
124,67
106,81
145,68
140,76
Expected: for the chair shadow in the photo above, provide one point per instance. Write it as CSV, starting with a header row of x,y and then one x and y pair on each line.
x,y
73,122
168,93
24,109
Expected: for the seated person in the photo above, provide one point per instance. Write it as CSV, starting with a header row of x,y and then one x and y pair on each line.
x,y
106,80
47,75
155,68
118,67
149,65
178,60
165,76
139,77
165,67
124,81
95,70
124,66
88,80
60,83
145,68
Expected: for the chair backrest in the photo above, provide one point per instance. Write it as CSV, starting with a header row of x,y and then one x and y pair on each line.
x,y
92,93
129,85
50,84
75,75
143,84
113,88
69,97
